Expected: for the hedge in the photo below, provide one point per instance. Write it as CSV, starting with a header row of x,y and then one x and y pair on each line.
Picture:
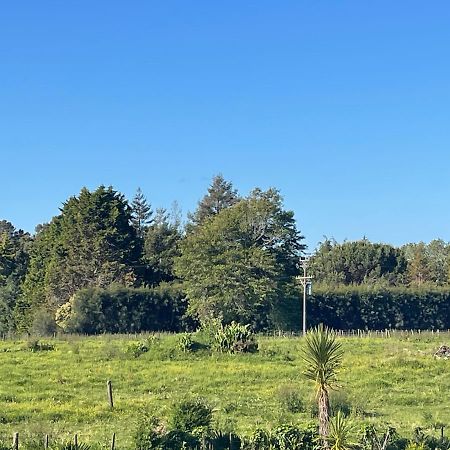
x,y
396,308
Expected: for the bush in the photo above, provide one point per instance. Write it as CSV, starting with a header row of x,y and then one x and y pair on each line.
x,y
185,343
235,338
71,446
290,437
259,440
137,349
149,434
191,414
35,346
290,399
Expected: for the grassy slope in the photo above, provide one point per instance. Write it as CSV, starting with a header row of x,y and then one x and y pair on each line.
x,y
63,392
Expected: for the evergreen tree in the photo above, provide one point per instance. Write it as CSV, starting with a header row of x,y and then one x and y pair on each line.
x,y
90,244
161,247
220,195
357,262
141,213
14,258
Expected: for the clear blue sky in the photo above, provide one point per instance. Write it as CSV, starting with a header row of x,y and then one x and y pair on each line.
x,y
342,105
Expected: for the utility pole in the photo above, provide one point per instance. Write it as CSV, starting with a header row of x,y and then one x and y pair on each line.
x,y
307,284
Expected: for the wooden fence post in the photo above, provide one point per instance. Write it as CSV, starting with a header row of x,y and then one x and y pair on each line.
x,y
75,440
16,441
46,442
113,441
110,394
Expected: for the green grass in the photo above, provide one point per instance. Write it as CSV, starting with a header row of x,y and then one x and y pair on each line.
x,y
61,392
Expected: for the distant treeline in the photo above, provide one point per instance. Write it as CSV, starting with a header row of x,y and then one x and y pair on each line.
x,y
107,264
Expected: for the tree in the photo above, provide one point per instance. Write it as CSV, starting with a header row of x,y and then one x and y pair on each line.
x,y
90,244
141,213
322,355
357,262
417,271
220,195
14,259
239,264
161,247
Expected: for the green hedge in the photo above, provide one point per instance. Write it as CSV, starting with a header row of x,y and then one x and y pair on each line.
x,y
124,310
351,309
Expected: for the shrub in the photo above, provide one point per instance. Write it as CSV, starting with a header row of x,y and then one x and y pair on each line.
x,y
222,440
149,434
35,346
290,437
191,414
71,446
290,399
259,440
234,338
137,349
185,342
176,440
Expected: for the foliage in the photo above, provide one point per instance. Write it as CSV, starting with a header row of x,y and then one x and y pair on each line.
x,y
185,342
290,437
189,415
70,445
220,195
90,244
239,264
44,323
35,346
357,262
374,439
235,338
322,356
161,247
149,433
290,399
14,259
352,308
121,310
339,437
141,213
138,348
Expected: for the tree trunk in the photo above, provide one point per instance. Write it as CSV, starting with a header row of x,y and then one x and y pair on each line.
x,y
324,416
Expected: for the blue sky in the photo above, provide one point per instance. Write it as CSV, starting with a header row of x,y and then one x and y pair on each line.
x,y
343,106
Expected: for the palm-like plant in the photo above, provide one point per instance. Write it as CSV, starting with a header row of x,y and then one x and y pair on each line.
x,y
339,434
322,355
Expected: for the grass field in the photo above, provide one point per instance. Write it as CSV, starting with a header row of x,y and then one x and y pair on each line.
x,y
393,380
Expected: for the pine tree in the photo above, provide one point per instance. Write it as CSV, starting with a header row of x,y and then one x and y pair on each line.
x,y
220,195
161,247
141,213
90,244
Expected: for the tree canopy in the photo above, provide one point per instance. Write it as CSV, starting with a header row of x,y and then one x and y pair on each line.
x,y
238,264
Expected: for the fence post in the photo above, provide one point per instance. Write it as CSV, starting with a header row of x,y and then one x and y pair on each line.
x,y
110,394
75,440
46,442
113,441
16,441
